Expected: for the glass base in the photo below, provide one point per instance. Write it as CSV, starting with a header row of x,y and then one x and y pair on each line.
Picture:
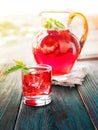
x,y
37,100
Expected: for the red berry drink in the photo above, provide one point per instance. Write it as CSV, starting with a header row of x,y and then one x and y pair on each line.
x,y
58,48
36,85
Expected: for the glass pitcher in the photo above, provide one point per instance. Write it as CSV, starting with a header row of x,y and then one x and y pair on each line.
x,y
59,48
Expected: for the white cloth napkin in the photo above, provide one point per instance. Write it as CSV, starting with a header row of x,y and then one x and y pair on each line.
x,y
76,77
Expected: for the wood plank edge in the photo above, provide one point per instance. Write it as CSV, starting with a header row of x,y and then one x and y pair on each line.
x,y
86,107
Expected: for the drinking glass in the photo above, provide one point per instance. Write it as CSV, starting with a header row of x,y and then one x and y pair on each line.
x,y
36,85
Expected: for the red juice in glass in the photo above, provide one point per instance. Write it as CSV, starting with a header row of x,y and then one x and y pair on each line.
x,y
58,48
36,85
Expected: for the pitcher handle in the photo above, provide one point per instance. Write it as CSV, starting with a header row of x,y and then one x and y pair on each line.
x,y
84,35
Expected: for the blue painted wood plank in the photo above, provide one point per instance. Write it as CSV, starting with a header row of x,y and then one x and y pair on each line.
x,y
89,93
66,112
10,97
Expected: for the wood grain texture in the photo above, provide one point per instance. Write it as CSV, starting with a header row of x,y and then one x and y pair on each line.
x,y
10,96
66,112
89,93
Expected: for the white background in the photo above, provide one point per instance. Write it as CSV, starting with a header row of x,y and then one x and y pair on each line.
x,y
35,6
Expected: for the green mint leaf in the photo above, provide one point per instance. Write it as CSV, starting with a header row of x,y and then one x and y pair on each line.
x,y
12,69
19,65
25,71
53,24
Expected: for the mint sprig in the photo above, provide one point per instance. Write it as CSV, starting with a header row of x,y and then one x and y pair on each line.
x,y
19,65
51,23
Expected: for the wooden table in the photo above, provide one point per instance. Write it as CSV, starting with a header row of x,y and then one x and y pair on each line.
x,y
71,108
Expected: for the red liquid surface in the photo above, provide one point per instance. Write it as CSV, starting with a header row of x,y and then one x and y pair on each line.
x,y
59,49
36,84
